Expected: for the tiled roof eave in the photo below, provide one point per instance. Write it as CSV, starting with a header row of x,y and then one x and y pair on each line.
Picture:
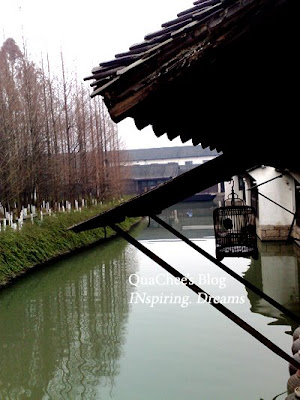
x,y
117,69
133,83
209,75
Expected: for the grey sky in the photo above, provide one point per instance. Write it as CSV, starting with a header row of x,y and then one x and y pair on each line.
x,y
89,32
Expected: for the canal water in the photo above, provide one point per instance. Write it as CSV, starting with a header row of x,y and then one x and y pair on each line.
x,y
108,323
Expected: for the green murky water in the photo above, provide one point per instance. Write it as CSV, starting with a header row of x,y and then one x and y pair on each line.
x,y
110,324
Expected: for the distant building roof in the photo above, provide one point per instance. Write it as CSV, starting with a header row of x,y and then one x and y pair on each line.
x,y
167,153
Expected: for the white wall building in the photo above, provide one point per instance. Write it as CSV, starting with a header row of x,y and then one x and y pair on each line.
x,y
262,188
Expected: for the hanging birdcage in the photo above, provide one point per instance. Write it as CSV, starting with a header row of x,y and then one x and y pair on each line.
x,y
235,229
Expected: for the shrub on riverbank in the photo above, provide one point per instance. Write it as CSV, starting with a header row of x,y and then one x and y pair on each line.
x,y
41,241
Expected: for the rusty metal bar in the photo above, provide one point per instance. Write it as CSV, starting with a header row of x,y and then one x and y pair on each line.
x,y
248,284
196,289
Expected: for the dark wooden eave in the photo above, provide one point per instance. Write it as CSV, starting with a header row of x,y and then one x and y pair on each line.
x,y
154,201
223,73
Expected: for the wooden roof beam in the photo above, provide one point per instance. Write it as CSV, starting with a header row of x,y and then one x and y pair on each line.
x,y
153,202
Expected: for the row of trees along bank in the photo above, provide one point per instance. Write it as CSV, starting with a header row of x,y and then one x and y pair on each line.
x,y
56,144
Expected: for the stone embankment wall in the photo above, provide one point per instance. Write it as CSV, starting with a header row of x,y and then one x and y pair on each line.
x,y
272,232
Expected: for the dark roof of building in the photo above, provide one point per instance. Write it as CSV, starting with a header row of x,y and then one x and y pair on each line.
x,y
166,153
222,73
154,171
202,12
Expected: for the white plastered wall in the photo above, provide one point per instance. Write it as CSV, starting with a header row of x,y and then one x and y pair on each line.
x,y
281,190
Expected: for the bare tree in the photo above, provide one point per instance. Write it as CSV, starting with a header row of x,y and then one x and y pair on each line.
x,y
56,144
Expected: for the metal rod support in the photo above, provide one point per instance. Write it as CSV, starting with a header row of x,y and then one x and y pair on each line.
x,y
279,205
248,284
263,183
196,289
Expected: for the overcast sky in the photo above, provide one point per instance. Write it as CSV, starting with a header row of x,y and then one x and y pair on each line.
x,y
89,32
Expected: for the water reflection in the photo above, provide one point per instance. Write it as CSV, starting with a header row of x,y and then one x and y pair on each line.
x,y
62,329
194,220
276,272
